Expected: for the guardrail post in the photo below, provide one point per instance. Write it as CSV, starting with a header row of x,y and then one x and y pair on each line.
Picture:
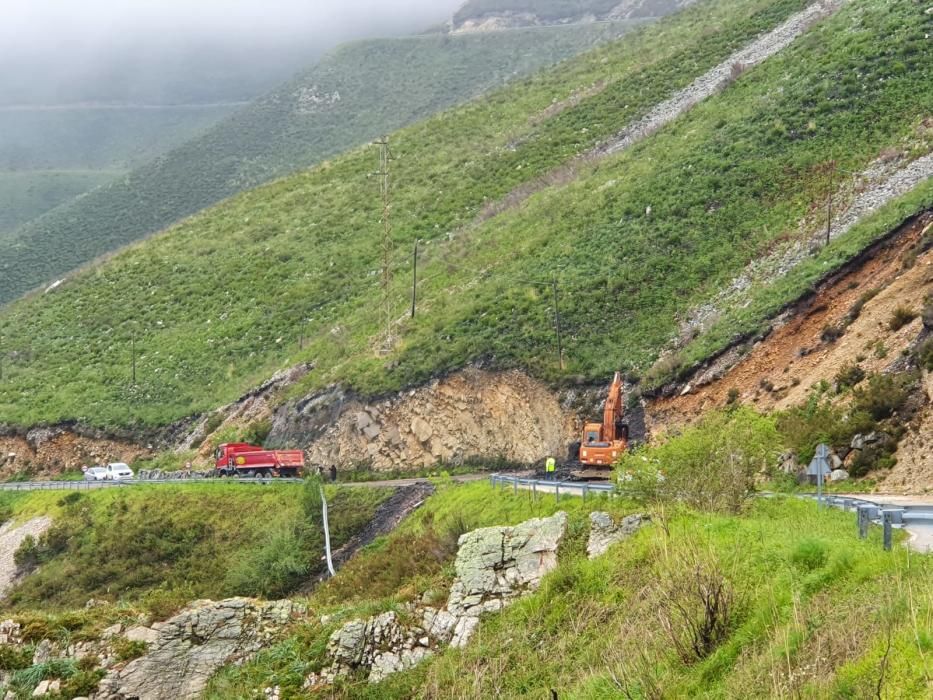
x,y
586,489
557,491
534,490
515,487
886,520
862,514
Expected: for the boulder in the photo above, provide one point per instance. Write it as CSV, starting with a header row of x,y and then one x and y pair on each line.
x,y
494,565
185,651
839,475
605,532
788,464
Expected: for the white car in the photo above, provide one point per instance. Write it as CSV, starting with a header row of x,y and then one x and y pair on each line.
x,y
95,474
118,471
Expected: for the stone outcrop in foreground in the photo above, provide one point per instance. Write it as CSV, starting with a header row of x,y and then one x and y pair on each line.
x,y
605,532
495,566
185,651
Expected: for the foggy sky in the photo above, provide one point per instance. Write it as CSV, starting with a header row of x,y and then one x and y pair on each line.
x,y
69,51
52,23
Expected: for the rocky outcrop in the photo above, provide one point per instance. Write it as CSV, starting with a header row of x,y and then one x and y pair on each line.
x,y
46,452
495,566
605,532
252,406
498,564
11,537
471,414
188,649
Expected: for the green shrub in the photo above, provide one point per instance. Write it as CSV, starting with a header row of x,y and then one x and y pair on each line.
x,y
848,376
925,355
273,569
712,466
128,649
884,395
14,658
901,317
810,554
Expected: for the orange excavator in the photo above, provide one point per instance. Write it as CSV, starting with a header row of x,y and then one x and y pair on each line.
x,y
603,443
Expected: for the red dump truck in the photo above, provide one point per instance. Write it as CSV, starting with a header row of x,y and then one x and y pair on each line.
x,y
243,460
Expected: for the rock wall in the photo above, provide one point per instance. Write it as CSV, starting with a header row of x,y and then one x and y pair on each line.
x,y
471,414
46,452
184,652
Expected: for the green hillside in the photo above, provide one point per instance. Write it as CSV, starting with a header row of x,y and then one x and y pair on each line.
x,y
26,194
355,94
811,611
220,302
49,156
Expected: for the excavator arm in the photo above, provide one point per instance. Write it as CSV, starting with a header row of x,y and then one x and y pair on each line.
x,y
612,412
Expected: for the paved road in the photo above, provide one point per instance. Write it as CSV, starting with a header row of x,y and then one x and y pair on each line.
x,y
95,485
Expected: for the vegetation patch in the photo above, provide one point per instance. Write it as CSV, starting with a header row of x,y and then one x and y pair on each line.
x,y
165,546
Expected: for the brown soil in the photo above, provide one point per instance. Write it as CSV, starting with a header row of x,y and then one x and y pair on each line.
x,y
45,453
781,369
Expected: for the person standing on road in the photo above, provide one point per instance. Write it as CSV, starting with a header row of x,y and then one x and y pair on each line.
x,y
550,467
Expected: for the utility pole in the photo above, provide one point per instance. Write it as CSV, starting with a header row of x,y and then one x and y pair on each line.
x,y
560,349
384,157
414,279
133,352
829,203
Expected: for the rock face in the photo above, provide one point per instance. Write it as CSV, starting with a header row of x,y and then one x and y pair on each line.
x,y
495,565
187,649
605,532
471,414
45,452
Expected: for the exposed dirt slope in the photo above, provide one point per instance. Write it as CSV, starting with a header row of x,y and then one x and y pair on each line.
x,y
11,537
44,452
913,472
779,371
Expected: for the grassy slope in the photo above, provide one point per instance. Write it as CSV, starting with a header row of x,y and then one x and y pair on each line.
x,y
26,194
220,302
803,583
382,84
176,543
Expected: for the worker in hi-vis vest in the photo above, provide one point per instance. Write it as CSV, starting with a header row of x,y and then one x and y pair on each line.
x,y
549,466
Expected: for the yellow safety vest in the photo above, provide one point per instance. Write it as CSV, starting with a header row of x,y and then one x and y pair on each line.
x,y
550,464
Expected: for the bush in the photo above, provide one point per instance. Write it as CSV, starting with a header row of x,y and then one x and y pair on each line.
x,y
128,649
711,466
809,555
14,658
273,569
832,333
884,395
900,318
925,355
927,312
848,376
819,421
696,609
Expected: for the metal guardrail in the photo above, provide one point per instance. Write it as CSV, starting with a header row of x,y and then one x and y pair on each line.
x,y
82,485
545,486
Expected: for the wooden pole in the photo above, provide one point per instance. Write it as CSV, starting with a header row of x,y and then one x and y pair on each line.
x,y
414,279
560,349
